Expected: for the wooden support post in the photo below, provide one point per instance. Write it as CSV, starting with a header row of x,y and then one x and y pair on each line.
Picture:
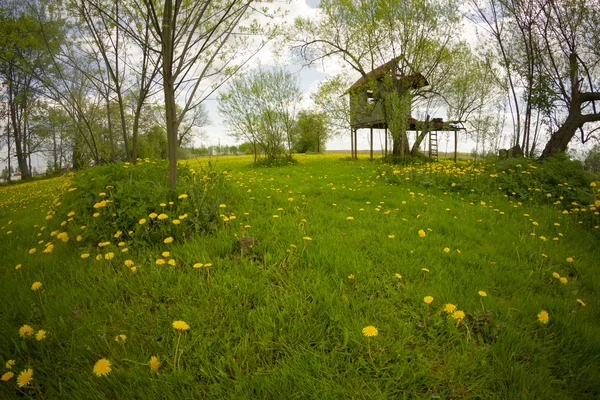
x,y
429,144
455,145
386,140
403,135
356,143
371,143
351,143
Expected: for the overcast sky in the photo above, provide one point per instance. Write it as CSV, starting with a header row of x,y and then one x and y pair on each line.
x,y
309,78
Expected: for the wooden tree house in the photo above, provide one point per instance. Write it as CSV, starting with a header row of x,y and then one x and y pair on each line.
x,y
367,104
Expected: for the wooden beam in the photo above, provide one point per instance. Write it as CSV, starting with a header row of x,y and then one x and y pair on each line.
x,y
455,145
371,143
351,143
386,141
356,143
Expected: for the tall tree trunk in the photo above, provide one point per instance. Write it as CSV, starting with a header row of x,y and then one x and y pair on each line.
x,y
18,138
54,151
136,128
576,119
169,91
8,178
420,137
560,139
110,128
400,145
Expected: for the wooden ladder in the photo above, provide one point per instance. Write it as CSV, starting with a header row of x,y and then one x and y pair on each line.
x,y
433,145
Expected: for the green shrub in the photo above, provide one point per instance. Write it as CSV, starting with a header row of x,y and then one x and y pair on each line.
x,y
276,162
125,204
558,182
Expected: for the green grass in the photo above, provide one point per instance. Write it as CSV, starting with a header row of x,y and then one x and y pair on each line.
x,y
282,318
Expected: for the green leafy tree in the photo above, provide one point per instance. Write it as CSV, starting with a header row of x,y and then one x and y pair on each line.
x,y
260,108
368,34
201,44
23,56
311,131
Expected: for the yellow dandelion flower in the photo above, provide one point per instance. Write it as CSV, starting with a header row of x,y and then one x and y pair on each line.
x,y
18,266
391,236
181,325
569,259
9,364
162,216
31,251
128,263
424,269
422,233
198,265
458,315
398,276
543,317
36,285
349,218
183,196
120,338
184,216
306,238
581,302
171,262
99,257
109,256
25,377
428,299
482,293
222,206
118,234
142,221
166,254
556,275
207,265
168,240
160,261
351,277
446,250
154,364
370,331
176,222
79,238
563,280
40,335
152,216
102,367
163,204
449,308
7,376
96,215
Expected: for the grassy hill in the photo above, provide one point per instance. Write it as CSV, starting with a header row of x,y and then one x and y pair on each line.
x,y
325,279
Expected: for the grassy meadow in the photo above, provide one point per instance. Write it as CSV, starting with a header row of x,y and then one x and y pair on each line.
x,y
329,279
